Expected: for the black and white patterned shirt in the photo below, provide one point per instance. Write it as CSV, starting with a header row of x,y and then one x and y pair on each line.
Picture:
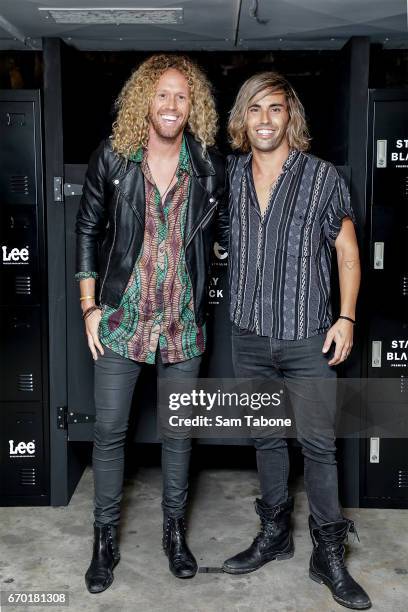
x,y
280,262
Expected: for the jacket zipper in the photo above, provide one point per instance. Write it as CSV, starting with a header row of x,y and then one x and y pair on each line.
x,y
111,249
190,239
201,224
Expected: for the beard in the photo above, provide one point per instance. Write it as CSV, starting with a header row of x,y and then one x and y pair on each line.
x,y
170,132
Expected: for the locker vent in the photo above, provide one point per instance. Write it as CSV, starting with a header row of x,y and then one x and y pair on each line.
x,y
28,477
404,286
19,184
117,16
404,384
25,417
23,285
25,382
403,479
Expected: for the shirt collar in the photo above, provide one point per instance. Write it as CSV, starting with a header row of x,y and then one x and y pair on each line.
x,y
184,159
184,164
290,163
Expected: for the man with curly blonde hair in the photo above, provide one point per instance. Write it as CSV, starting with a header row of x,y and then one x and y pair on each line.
x,y
152,206
288,211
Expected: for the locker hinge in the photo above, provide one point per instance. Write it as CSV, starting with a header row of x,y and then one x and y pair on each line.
x,y
71,189
57,189
79,417
62,417
66,417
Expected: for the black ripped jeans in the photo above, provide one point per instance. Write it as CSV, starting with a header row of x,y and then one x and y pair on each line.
x,y
115,380
304,369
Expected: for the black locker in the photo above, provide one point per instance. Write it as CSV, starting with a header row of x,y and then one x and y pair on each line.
x,y
24,428
384,481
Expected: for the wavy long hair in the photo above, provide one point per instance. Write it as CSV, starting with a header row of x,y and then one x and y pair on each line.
x,y
130,130
272,82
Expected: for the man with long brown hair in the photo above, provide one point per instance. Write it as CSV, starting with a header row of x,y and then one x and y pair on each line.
x,y
153,201
288,210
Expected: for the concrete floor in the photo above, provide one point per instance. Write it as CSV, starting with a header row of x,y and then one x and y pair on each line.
x,y
50,548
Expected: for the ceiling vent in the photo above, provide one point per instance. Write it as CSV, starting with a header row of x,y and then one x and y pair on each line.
x,y
117,16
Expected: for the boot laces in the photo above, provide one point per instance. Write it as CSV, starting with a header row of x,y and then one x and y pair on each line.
x,y
353,529
335,554
268,528
179,532
177,529
268,521
334,545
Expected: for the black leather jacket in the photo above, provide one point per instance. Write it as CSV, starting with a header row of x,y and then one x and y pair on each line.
x,y
111,216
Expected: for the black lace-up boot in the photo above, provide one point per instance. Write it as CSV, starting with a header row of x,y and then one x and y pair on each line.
x,y
181,560
274,541
106,556
327,565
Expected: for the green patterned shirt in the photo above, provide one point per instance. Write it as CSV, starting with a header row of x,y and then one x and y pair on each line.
x,y
157,306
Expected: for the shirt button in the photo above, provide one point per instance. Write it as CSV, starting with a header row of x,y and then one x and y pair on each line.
x,y
212,200
116,182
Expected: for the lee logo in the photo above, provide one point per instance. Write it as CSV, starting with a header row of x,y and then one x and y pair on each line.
x,y
15,256
22,448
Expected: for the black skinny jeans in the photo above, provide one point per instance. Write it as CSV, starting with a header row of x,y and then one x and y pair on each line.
x,y
115,380
303,367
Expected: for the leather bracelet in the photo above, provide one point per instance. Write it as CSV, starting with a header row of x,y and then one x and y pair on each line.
x,y
347,319
87,297
89,310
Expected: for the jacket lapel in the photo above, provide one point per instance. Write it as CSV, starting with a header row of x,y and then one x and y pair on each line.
x,y
202,166
199,198
131,186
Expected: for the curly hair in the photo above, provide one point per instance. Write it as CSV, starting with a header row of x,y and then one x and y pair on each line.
x,y
130,130
297,130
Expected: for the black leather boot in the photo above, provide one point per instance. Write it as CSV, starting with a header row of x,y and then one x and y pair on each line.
x,y
181,560
274,541
327,564
106,556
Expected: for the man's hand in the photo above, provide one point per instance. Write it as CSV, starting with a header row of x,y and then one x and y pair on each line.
x,y
91,329
341,333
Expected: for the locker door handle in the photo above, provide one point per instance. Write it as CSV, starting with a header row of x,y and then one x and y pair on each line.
x,y
376,347
13,119
374,450
378,256
381,153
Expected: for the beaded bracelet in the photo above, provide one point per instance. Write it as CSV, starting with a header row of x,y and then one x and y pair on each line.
x,y
89,310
